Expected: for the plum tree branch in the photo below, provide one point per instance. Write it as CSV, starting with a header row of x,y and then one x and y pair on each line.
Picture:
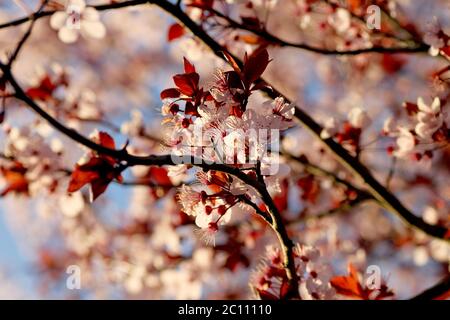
x,y
440,289
378,191
269,37
413,48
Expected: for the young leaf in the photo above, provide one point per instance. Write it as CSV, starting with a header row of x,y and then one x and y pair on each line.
x,y
255,65
170,93
175,31
188,67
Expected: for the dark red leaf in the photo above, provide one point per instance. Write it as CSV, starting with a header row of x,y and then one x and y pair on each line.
x,y
191,110
187,83
284,289
265,295
170,93
175,31
159,176
392,63
106,140
43,91
202,4
255,65
98,187
188,67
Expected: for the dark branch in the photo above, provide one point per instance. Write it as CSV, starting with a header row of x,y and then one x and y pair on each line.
x,y
267,36
436,291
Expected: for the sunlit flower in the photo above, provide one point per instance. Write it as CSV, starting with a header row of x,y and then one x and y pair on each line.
x,y
77,18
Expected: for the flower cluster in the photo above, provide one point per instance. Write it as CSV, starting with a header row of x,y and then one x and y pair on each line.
x,y
31,165
270,279
217,125
349,132
428,131
212,209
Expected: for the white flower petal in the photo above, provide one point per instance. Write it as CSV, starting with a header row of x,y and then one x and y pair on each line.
x,y
421,105
68,35
436,105
58,20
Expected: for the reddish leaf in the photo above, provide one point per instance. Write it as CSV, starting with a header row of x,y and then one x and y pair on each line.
x,y
444,296
188,67
43,91
284,289
391,63
15,179
255,65
411,108
446,50
310,187
159,176
80,178
281,199
175,31
190,109
106,140
98,187
202,4
447,234
170,93
348,285
187,83
98,171
265,295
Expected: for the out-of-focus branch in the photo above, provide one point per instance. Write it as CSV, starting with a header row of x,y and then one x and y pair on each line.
x,y
435,292
412,47
25,36
264,34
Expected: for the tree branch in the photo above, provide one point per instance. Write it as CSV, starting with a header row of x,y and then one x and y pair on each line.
x,y
417,47
266,35
436,291
379,192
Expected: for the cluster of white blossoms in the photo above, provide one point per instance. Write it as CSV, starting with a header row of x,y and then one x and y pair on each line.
x,y
314,275
76,19
223,129
357,118
428,129
32,165
218,135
